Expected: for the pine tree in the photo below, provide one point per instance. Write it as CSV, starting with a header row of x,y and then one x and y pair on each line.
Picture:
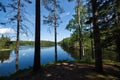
x,y
37,62
17,19
96,35
53,18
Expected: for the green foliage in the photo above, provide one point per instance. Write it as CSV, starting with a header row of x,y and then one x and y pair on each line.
x,y
109,24
4,55
65,42
47,43
22,43
5,42
73,23
32,43
73,41
77,37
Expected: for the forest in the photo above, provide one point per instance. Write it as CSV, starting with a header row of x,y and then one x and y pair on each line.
x,y
7,44
95,33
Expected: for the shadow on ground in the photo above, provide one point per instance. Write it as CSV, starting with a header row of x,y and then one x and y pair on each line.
x,y
73,71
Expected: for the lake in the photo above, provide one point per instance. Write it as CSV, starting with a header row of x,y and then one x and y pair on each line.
x,y
9,60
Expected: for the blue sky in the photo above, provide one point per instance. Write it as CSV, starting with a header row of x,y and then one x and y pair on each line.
x,y
47,32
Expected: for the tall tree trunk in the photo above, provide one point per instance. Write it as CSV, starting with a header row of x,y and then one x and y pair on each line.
x,y
117,31
37,62
79,31
118,46
118,39
18,31
55,30
117,36
96,35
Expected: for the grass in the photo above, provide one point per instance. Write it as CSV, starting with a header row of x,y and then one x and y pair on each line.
x,y
5,49
89,61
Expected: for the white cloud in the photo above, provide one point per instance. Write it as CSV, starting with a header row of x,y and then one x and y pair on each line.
x,y
6,30
65,14
30,40
68,13
9,60
24,35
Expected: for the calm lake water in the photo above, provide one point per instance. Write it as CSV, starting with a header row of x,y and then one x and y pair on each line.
x,y
10,62
25,60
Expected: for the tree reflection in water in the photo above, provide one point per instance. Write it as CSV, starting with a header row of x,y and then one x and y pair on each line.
x,y
4,55
17,61
88,55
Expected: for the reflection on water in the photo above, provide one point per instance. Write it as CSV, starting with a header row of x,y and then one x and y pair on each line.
x,y
7,65
74,53
16,61
4,56
11,62
107,54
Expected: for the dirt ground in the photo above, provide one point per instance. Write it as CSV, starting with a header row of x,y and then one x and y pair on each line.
x,y
72,71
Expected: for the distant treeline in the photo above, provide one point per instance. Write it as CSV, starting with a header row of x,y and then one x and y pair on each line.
x,y
47,43
43,43
6,43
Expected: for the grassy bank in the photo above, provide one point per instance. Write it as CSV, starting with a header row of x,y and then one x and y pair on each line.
x,y
5,49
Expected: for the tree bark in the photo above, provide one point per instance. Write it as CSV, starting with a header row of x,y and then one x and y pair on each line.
x,y
117,32
79,31
37,62
55,30
96,35
18,31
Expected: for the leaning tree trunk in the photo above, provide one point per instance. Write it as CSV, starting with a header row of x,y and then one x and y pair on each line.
x,y
37,62
96,35
55,30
